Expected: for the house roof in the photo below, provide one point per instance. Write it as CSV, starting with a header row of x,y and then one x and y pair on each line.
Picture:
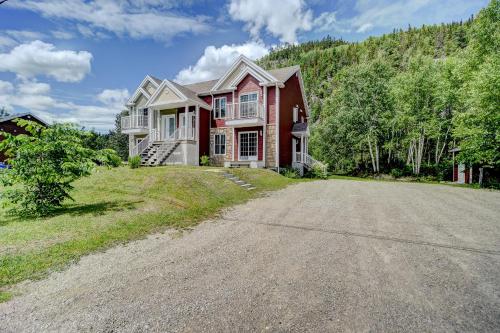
x,y
187,92
284,73
21,115
201,87
157,80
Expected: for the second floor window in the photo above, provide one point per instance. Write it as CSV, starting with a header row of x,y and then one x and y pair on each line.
x,y
220,107
248,105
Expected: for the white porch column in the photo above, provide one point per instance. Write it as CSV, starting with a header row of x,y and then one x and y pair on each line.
x,y
302,149
186,122
158,126
294,150
232,146
197,134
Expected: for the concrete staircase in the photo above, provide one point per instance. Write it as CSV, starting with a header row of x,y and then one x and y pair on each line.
x,y
157,152
238,181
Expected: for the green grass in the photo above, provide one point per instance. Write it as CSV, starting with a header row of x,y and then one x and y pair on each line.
x,y
116,206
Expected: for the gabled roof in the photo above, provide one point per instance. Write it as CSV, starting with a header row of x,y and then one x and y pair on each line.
x,y
140,90
21,115
242,59
201,87
283,74
181,91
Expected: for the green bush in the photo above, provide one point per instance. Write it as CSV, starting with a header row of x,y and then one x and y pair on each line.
x,y
44,163
397,173
204,160
318,172
134,162
290,173
110,158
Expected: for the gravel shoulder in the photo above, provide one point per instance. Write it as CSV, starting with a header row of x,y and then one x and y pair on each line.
x,y
332,255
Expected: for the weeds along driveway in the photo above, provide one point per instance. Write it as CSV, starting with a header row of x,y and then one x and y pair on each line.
x,y
321,256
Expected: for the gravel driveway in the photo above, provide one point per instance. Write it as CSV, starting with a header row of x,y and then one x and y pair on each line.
x,y
320,256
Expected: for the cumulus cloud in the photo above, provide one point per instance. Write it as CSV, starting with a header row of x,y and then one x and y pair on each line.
x,y
115,98
35,97
33,88
283,19
215,61
39,58
151,20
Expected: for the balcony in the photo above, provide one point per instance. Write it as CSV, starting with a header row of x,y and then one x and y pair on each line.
x,y
244,114
134,124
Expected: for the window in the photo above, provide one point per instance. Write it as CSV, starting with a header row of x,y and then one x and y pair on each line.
x,y
220,144
295,114
220,107
248,105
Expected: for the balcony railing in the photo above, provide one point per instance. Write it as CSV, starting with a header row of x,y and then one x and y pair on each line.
x,y
134,122
248,110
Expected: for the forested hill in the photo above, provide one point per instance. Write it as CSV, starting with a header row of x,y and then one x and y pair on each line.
x,y
397,103
321,60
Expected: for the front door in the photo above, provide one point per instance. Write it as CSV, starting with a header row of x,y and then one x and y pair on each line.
x,y
248,143
168,127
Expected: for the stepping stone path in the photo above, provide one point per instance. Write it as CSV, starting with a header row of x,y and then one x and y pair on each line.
x,y
238,181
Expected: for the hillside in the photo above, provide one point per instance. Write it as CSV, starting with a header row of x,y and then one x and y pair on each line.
x,y
397,103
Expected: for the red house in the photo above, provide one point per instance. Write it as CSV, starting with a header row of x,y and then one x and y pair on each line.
x,y
8,124
247,117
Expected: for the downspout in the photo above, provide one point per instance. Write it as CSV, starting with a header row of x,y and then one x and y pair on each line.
x,y
277,94
264,144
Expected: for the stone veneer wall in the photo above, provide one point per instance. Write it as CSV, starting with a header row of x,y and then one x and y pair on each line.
x,y
218,160
271,146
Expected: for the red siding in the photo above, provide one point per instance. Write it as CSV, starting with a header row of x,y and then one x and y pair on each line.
x,y
247,85
260,147
290,96
219,122
14,129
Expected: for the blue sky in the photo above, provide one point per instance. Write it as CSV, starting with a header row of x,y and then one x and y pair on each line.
x,y
68,60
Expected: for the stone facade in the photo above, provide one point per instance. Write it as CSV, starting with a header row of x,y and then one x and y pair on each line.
x,y
218,160
271,146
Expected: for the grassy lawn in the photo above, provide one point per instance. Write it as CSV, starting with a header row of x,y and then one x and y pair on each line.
x,y
115,206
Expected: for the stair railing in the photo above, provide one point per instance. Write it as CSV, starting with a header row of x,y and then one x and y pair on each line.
x,y
140,147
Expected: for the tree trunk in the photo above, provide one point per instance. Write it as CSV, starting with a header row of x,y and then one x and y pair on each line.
x,y
481,170
371,155
377,158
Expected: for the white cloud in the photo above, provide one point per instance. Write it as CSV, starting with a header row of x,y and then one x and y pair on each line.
x,y
34,97
33,88
119,17
24,35
215,61
60,34
39,58
114,97
6,87
327,22
283,19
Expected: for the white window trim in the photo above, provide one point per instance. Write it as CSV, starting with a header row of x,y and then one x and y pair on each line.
x,y
225,144
239,146
215,110
249,93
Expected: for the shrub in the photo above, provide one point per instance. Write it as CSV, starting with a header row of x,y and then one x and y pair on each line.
x,y
204,160
290,172
46,163
318,172
134,162
109,157
397,173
